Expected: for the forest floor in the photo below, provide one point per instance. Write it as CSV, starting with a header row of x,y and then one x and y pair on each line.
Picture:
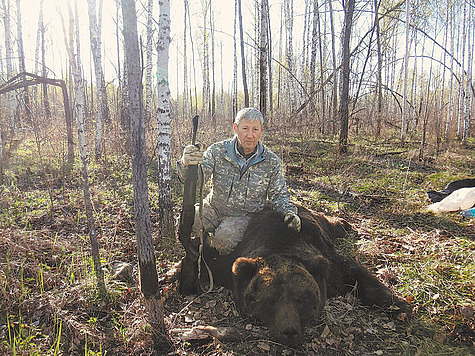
x,y
50,306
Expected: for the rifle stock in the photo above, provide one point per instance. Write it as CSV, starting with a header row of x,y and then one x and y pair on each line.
x,y
187,215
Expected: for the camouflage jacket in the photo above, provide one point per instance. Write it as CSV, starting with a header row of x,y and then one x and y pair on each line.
x,y
237,191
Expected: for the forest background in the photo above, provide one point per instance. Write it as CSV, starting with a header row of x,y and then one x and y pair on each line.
x,y
368,104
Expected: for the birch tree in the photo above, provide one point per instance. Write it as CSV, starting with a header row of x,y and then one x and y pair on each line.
x,y
235,63
243,56
452,74
289,52
145,251
167,226
335,66
263,48
102,113
41,45
468,91
379,70
21,59
186,111
206,82
213,66
11,102
345,75
149,61
80,119
406,71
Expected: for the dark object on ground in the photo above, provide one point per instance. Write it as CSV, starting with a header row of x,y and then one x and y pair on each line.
x,y
435,196
283,277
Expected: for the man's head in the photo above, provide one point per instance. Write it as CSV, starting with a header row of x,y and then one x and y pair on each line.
x,y
248,126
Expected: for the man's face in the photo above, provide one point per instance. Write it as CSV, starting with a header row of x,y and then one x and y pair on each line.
x,y
249,133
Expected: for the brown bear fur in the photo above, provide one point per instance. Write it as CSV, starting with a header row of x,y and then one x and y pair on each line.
x,y
283,277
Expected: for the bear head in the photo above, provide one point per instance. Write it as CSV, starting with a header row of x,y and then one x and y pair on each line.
x,y
281,291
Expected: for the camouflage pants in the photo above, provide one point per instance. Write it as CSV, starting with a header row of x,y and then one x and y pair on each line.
x,y
223,232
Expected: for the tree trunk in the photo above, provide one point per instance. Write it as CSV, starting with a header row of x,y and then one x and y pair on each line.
x,y
263,43
102,114
167,226
206,82
462,76
441,102
213,81
186,111
345,76
269,64
69,45
452,74
335,70
43,67
243,57
21,60
406,69
8,60
379,69
81,116
235,64
468,91
148,66
147,267
289,51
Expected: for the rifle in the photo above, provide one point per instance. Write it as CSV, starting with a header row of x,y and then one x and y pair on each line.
x,y
187,215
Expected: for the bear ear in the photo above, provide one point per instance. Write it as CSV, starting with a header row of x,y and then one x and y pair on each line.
x,y
244,269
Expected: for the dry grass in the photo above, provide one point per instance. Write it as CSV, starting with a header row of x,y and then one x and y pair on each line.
x,y
50,306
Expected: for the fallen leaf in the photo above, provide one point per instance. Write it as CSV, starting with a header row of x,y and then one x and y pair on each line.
x,y
390,326
326,331
263,346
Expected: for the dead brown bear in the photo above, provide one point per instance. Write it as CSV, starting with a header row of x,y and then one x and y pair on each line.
x,y
283,278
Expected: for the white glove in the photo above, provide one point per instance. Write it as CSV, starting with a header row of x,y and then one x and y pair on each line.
x,y
292,221
192,156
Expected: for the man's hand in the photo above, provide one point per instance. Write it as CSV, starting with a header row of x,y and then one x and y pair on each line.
x,y
292,221
192,156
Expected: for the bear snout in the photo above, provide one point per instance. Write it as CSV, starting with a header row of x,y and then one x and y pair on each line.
x,y
289,335
287,328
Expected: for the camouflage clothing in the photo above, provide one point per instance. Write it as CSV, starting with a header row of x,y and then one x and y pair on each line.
x,y
240,190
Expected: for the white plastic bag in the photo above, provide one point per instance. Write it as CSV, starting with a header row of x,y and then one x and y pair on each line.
x,y
461,199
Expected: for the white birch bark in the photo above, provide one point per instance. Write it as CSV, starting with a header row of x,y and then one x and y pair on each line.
x,y
80,119
406,69
468,91
235,64
186,111
102,112
21,59
335,69
8,60
452,74
167,228
149,58
206,82
263,44
462,76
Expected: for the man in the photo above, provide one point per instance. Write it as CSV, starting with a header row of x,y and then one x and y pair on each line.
x,y
245,176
